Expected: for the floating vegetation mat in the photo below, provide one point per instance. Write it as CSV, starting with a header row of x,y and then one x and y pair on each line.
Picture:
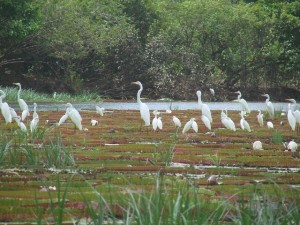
x,y
58,174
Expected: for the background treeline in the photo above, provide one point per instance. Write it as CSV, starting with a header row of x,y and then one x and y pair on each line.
x,y
173,46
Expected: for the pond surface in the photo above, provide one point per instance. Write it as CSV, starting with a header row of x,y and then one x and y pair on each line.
x,y
279,106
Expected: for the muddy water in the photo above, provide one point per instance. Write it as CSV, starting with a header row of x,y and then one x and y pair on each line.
x,y
279,106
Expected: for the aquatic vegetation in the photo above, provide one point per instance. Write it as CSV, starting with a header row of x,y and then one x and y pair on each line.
x,y
113,172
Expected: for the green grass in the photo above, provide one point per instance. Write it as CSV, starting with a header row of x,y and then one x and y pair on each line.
x,y
30,95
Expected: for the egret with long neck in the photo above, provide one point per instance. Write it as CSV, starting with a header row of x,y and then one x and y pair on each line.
x,y
144,110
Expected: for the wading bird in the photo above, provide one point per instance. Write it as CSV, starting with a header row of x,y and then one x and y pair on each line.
x,y
74,115
291,118
155,120
5,109
190,124
270,125
296,113
227,121
244,124
176,121
144,110
100,110
206,122
269,106
35,115
204,107
23,105
34,124
21,124
260,118
243,102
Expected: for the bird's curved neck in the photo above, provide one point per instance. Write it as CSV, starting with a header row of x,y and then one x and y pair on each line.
x,y
200,103
138,97
239,96
19,92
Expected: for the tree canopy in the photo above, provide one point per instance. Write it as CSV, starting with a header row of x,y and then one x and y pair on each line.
x,y
174,47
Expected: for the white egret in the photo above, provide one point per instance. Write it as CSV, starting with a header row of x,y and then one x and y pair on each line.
x,y
293,146
34,124
269,106
21,124
257,145
5,109
190,124
206,122
244,124
195,126
159,123
13,114
260,118
100,110
204,107
74,116
35,115
227,121
63,119
296,113
176,121
144,110
212,180
291,118
270,125
94,122
155,120
212,91
243,102
23,105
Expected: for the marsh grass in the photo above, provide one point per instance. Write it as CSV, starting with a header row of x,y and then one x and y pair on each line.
x,y
32,96
57,154
277,137
56,211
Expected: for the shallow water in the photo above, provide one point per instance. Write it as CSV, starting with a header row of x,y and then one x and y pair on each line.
x,y
279,106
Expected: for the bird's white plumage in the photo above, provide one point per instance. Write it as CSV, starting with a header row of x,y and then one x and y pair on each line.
x,y
34,124
74,115
204,107
100,110
23,105
189,125
291,118
206,122
270,125
176,121
243,102
244,124
260,118
5,109
144,110
293,146
63,119
269,106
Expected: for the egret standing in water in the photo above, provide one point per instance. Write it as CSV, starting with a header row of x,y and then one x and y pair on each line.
x,y
243,102
270,106
23,105
144,110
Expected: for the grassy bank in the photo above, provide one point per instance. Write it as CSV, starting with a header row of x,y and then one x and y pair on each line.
x,y
33,96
